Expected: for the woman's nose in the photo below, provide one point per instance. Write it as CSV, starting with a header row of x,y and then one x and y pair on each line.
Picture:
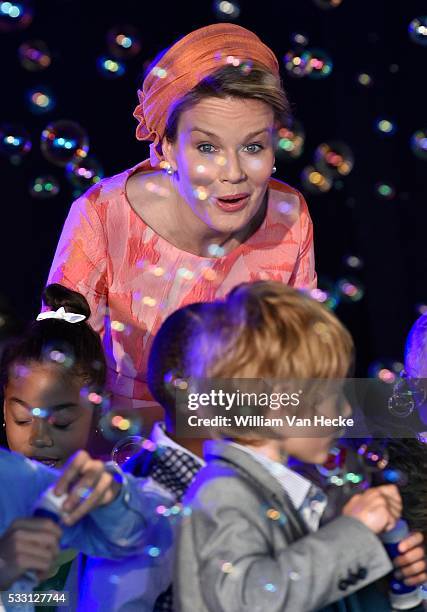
x,y
40,436
232,171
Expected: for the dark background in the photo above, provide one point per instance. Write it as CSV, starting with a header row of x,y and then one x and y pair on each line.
x,y
351,219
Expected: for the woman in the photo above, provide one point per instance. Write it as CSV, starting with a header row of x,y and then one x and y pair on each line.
x,y
201,215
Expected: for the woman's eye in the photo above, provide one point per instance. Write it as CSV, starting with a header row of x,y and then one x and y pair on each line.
x,y
61,426
23,422
206,148
254,148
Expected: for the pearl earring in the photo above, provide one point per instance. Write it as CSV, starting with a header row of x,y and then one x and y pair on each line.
x,y
273,170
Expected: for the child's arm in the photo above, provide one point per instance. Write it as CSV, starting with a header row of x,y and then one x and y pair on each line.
x,y
229,537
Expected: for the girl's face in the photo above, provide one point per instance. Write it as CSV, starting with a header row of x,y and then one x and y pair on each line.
x,y
64,422
223,155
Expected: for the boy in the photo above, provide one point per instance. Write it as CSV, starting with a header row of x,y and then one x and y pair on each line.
x,y
251,541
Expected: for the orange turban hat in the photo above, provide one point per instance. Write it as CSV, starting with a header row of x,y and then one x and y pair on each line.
x,y
184,65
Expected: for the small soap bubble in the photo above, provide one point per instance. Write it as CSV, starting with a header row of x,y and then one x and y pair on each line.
x,y
354,262
34,55
44,187
290,144
385,370
110,67
159,72
225,10
297,63
270,587
83,173
374,455
350,290
201,193
62,141
126,448
418,30
15,15
325,293
315,181
215,250
123,41
299,39
385,126
59,352
334,158
364,79
327,4
419,144
321,64
385,191
40,100
15,142
115,426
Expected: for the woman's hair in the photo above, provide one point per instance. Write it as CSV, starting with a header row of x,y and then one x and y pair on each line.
x,y
76,345
266,330
247,82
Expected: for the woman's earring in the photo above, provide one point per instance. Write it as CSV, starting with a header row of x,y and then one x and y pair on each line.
x,y
274,169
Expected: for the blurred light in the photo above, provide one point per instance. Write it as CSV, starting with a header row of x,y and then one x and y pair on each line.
x,y
385,191
123,41
334,158
419,144
40,100
291,141
34,55
385,126
418,30
226,10
44,187
110,67
320,64
15,15
364,79
62,141
315,181
15,142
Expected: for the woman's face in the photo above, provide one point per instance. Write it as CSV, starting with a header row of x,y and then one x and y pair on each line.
x,y
223,155
44,389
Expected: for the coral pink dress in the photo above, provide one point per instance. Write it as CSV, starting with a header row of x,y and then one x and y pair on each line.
x,y
133,278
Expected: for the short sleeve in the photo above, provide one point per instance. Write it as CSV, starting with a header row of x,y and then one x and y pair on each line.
x,y
304,274
80,261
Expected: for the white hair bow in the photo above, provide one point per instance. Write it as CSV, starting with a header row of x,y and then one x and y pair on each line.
x,y
60,314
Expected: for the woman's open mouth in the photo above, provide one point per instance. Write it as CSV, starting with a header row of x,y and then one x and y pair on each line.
x,y
232,203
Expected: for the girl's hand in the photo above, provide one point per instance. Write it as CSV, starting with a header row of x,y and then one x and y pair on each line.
x,y
88,484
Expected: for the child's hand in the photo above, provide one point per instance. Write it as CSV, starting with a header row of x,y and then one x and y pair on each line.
x,y
412,560
89,486
29,544
378,508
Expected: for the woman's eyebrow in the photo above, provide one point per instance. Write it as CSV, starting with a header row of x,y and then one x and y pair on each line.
x,y
62,406
251,135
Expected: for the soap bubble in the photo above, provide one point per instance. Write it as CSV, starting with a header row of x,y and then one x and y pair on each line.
x,y
62,141
315,181
299,39
320,64
44,187
334,158
40,100
350,290
385,370
291,141
110,67
327,4
123,41
408,394
15,15
418,30
15,142
419,143
34,55
83,173
374,455
325,293
226,10
126,448
364,79
116,426
297,62
385,191
384,126
353,261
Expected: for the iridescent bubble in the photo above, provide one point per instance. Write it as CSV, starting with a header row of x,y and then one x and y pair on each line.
x,y
364,79
299,39
44,187
116,426
374,455
15,142
297,63
315,181
418,30
385,191
62,141
123,41
110,67
15,15
290,144
408,394
385,126
83,173
34,55
334,158
327,4
40,100
350,290
321,64
385,370
126,448
325,293
225,10
59,353
353,261
419,143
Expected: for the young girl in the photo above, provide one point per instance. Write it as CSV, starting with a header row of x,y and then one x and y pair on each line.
x,y
48,375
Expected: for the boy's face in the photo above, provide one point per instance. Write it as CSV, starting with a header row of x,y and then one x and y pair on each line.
x,y
315,449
